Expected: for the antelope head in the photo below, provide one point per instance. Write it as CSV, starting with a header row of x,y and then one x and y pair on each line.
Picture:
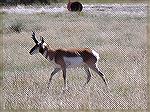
x,y
39,45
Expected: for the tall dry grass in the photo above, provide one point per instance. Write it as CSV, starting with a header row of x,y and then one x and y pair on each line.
x,y
120,41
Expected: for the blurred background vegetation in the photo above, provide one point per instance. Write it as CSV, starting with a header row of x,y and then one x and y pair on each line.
x,y
30,2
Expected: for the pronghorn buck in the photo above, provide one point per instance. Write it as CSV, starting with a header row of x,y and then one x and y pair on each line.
x,y
61,59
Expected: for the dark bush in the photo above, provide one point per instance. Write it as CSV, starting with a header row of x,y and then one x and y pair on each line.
x,y
26,2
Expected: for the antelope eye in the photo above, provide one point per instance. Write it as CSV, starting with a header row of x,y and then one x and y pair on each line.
x,y
37,45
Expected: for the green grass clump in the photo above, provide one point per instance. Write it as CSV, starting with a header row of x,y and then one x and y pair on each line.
x,y
16,26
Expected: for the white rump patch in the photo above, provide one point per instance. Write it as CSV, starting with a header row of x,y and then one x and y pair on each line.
x,y
73,61
95,54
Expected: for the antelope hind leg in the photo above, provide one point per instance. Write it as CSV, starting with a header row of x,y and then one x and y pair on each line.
x,y
95,68
86,68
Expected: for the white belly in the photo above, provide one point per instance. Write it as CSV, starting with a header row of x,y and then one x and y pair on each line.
x,y
73,61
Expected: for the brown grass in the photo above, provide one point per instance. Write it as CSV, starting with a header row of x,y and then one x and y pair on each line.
x,y
120,41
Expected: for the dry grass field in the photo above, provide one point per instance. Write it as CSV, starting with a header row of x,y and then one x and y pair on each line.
x,y
121,41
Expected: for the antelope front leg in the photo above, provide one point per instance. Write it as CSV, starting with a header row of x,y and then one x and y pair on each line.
x,y
52,74
64,77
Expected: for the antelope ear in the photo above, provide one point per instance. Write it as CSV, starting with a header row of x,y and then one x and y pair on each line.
x,y
42,40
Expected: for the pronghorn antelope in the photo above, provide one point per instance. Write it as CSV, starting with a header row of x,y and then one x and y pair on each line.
x,y
67,58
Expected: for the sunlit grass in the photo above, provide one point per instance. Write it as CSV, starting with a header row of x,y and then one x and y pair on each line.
x,y
123,63
1,46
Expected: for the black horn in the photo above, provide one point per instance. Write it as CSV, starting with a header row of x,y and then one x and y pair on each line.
x,y
33,37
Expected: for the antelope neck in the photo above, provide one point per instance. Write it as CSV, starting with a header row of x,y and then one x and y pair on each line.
x,y
41,50
48,54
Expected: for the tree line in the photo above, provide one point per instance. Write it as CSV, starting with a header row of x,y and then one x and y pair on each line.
x,y
27,2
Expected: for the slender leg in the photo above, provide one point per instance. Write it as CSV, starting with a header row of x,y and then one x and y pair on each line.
x,y
86,68
95,68
64,77
52,74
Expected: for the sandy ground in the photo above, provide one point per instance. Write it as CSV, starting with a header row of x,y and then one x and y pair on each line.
x,y
118,33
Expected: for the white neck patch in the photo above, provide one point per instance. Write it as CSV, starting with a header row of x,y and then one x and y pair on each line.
x,y
43,45
45,53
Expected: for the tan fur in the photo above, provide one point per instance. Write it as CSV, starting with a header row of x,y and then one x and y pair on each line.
x,y
85,53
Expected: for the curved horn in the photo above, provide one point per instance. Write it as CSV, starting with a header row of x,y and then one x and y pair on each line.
x,y
42,39
33,37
